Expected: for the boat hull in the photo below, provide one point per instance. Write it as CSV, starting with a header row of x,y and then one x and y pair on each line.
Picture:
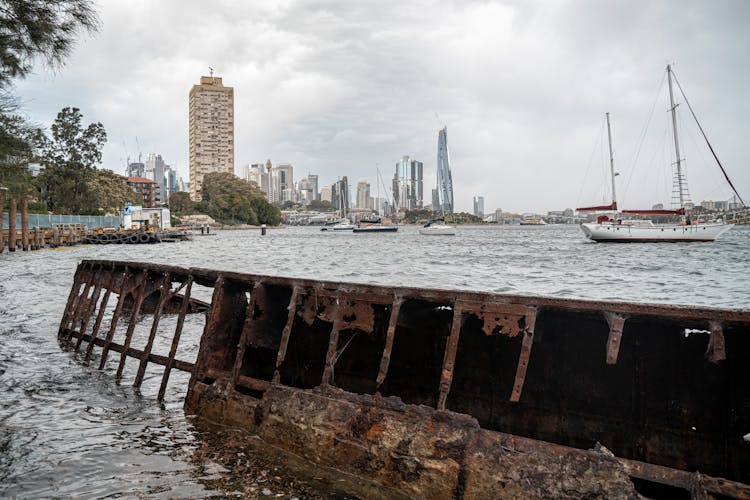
x,y
620,233
438,231
374,229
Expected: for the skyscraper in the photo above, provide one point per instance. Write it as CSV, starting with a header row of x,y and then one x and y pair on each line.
x,y
408,188
155,169
340,195
282,179
312,180
136,169
211,131
363,195
479,206
444,178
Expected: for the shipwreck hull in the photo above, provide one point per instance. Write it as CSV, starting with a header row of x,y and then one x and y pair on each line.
x,y
451,394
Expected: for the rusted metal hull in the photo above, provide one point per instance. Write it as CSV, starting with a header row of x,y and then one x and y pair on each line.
x,y
450,394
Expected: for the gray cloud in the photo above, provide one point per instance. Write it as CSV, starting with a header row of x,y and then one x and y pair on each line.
x,y
338,87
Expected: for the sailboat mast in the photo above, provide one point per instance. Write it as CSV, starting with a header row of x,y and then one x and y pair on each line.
x,y
611,166
673,108
377,179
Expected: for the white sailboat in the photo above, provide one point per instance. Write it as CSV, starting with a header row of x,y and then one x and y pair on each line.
x,y
437,227
343,224
617,229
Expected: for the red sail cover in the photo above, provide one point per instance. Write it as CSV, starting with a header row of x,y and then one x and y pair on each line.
x,y
680,211
611,206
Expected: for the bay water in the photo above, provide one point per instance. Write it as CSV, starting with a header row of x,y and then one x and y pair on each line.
x,y
69,430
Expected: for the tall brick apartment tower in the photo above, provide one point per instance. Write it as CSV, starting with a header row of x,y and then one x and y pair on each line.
x,y
211,131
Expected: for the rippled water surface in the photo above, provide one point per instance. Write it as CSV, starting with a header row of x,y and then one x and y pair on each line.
x,y
68,429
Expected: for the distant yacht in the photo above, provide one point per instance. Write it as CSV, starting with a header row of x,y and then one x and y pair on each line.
x,y
616,229
533,222
341,225
437,227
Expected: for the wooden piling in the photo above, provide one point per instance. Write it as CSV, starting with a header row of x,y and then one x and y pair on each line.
x,y
12,224
25,223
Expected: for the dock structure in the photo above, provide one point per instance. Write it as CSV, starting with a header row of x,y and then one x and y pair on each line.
x,y
28,238
443,393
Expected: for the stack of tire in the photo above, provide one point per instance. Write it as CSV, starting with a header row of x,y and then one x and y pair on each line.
x,y
121,238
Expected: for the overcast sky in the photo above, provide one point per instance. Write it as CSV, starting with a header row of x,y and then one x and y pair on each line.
x,y
340,87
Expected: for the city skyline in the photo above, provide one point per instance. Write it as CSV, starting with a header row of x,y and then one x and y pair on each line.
x,y
336,89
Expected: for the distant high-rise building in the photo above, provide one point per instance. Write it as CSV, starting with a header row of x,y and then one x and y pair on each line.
x,y
282,182
171,182
211,131
340,195
136,169
312,180
479,206
244,172
325,193
444,177
363,195
304,193
155,170
408,189
256,173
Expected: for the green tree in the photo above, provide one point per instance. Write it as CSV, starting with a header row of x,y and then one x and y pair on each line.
x,y
70,157
180,203
111,191
231,200
320,205
40,29
17,141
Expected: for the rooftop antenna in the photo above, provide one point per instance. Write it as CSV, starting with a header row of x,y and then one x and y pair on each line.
x,y
211,72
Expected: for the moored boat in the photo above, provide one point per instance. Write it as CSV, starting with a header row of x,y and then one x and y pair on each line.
x,y
687,229
437,227
374,226
341,225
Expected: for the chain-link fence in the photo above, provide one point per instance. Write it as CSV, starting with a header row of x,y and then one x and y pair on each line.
x,y
46,220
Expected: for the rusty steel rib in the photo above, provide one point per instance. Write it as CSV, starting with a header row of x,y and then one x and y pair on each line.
x,y
385,360
100,315
164,295
449,357
116,314
616,324
75,289
175,339
138,297
93,302
177,364
237,367
523,357
286,332
80,307
716,351
333,343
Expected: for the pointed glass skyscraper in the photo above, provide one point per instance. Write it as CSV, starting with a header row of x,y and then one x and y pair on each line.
x,y
444,189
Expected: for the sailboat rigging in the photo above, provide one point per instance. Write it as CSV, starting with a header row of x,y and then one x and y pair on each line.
x,y
615,229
